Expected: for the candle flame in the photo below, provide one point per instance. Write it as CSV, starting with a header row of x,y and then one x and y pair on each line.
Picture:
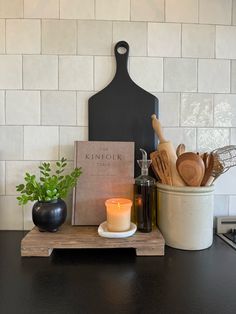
x,y
118,205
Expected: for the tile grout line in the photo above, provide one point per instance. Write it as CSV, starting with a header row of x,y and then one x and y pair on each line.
x,y
5,34
214,57
231,77
40,108
76,108
58,72
164,19
76,38
163,74
213,109
129,9
198,8
180,109
147,39
94,9
41,37
232,11
181,40
59,142
5,107
197,75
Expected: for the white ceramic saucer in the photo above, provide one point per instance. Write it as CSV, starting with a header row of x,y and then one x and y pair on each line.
x,y
103,231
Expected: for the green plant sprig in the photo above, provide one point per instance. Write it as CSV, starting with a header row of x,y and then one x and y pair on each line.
x,y
50,186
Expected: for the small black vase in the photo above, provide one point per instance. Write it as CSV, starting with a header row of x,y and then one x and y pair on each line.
x,y
48,216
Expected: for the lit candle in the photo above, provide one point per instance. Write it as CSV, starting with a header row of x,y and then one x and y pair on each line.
x,y
118,214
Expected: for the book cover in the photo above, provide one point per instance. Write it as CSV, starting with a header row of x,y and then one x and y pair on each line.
x,y
107,172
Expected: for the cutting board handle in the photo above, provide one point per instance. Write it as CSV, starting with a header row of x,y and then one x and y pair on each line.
x,y
122,53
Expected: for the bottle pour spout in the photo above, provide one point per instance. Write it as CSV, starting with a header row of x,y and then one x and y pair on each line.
x,y
144,163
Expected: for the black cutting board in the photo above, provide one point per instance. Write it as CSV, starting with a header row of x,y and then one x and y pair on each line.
x,y
122,110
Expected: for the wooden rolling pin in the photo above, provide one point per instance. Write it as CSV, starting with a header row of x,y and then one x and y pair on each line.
x,y
170,150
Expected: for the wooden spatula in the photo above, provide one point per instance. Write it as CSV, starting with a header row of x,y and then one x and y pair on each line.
x,y
157,167
166,167
208,160
191,168
170,150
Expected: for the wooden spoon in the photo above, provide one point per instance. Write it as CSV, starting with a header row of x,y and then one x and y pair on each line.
x,y
166,167
208,160
180,149
191,168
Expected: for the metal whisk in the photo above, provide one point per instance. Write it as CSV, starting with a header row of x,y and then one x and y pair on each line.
x,y
224,159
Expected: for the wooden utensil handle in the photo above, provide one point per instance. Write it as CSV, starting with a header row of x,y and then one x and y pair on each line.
x,y
158,129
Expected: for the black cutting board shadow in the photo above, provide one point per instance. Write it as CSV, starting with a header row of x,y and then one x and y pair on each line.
x,y
122,110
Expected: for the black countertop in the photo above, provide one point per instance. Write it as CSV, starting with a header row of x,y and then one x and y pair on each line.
x,y
116,281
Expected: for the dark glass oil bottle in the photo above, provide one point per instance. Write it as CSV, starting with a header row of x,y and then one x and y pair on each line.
x,y
145,197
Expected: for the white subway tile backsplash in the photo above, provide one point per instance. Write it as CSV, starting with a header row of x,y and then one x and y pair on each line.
x,y
225,42
104,71
67,137
22,107
182,11
112,9
75,73
82,107
59,108
2,36
27,216
196,110
215,11
40,72
59,37
77,9
2,108
186,136
226,183
164,39
180,75
147,72
209,139
213,76
11,8
225,110
232,205
15,173
198,41
169,104
54,55
11,139
94,38
11,216
41,9
41,142
233,76
143,10
23,36
233,136
135,33
2,177
221,205
10,72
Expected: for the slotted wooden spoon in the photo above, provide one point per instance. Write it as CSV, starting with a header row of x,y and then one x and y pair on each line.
x,y
191,168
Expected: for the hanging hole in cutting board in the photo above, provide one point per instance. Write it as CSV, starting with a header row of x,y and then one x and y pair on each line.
x,y
121,50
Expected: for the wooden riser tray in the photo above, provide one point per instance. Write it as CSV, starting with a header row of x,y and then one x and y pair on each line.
x,y
37,243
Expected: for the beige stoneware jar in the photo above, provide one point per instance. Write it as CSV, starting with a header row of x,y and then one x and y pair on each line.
x,y
185,216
